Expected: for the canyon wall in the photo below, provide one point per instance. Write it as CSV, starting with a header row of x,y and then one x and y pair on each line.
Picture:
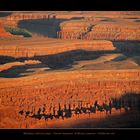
x,y
96,47
29,51
103,31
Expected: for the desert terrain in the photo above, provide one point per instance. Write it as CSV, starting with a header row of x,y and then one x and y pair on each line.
x,y
70,69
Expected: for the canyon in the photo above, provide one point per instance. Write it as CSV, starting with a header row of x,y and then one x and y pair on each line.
x,y
78,70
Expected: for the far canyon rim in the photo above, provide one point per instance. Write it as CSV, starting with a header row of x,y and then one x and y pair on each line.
x,y
70,69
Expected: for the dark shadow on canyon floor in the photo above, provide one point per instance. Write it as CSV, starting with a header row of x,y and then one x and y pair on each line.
x,y
45,27
128,119
6,59
126,46
19,71
137,20
130,49
60,61
69,59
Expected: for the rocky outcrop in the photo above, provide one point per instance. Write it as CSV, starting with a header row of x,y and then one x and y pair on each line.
x,y
101,31
82,85
74,29
32,97
114,32
26,16
25,51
